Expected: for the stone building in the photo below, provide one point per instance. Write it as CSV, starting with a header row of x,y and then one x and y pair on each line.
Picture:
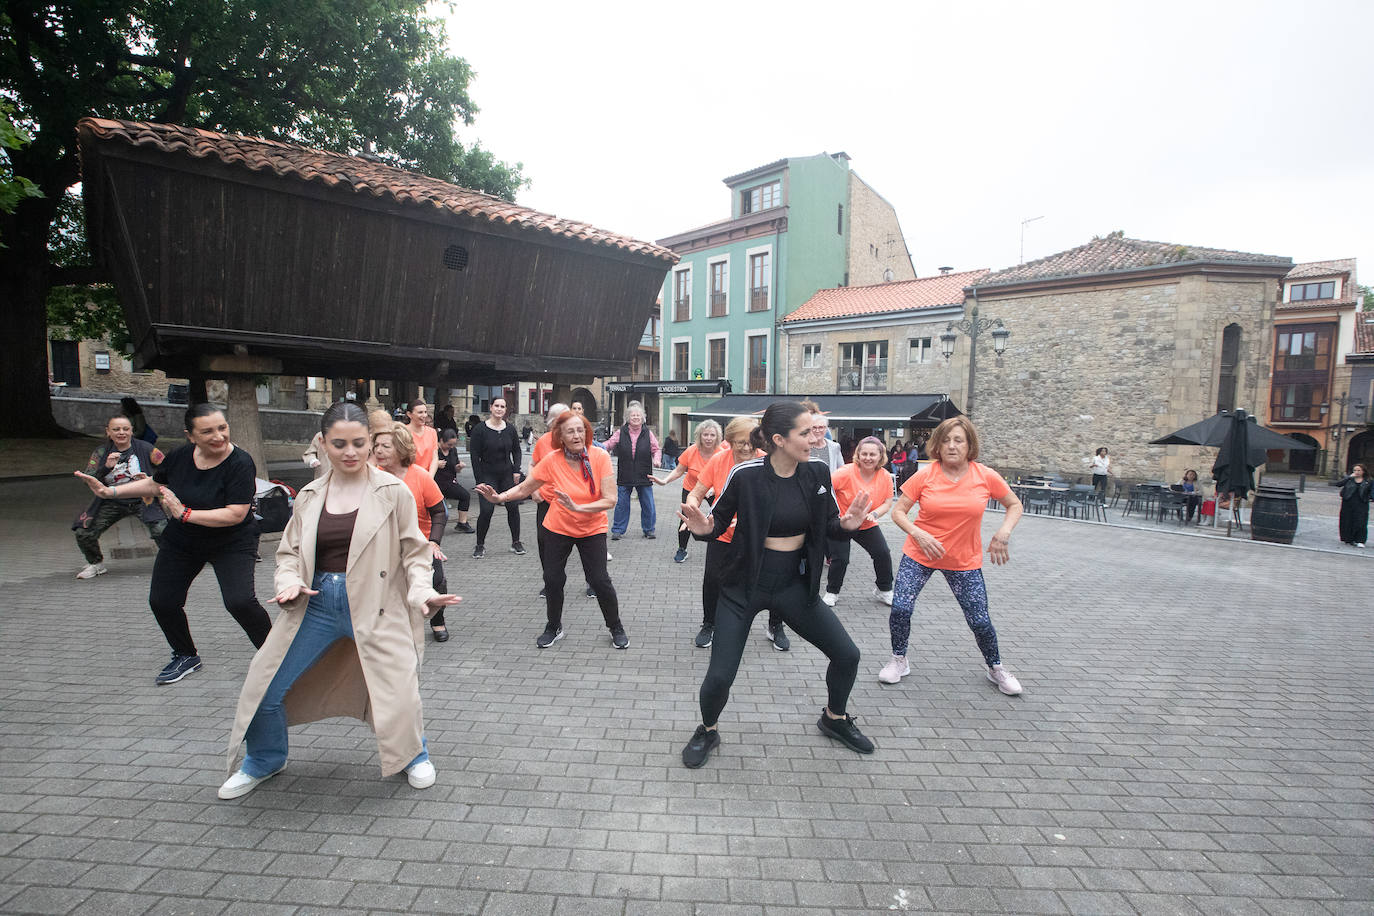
x,y
1359,445
1118,342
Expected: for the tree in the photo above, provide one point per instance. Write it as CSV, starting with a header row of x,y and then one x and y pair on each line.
x,y
1367,296
342,75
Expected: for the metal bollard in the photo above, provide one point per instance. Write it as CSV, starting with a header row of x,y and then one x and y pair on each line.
x,y
1302,483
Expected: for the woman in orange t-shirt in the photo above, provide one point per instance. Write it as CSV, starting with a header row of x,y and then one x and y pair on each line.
x,y
583,488
739,448
425,436
690,464
953,492
867,475
394,452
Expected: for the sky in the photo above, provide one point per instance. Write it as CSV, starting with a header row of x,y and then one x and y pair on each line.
x,y
1244,126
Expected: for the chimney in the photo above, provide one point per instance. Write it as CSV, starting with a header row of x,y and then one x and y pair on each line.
x,y
945,270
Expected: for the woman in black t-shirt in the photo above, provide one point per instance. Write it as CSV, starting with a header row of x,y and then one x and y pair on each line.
x,y
446,476
206,489
496,456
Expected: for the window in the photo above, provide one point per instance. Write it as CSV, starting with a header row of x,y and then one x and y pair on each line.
x,y
682,360
66,363
811,356
863,367
512,396
715,357
758,364
758,281
1230,361
314,383
764,197
918,351
1301,291
720,304
682,295
1302,372
1297,403
1303,349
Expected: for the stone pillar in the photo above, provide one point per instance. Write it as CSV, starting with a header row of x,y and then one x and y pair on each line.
x,y
245,424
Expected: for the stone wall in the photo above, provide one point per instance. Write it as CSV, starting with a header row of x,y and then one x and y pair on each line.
x,y
89,415
1117,365
875,238
932,376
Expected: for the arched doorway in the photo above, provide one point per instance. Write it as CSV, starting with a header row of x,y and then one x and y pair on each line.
x,y
1303,461
1361,451
589,406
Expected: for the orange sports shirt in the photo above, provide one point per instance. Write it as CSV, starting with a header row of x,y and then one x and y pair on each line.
x,y
952,512
848,484
555,474
713,478
426,493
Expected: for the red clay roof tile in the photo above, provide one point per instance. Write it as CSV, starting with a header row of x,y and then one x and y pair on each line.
x,y
1115,253
882,298
362,175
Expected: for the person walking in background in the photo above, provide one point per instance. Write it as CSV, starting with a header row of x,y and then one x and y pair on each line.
x,y
314,456
1356,492
446,476
425,438
952,492
353,544
142,431
671,451
496,458
692,462
581,478
864,475
637,454
119,461
395,454
1102,469
206,489
783,510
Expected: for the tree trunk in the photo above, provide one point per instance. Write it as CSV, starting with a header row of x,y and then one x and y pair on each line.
x,y
245,425
25,400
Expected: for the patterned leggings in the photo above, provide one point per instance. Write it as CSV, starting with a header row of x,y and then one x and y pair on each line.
x,y
969,590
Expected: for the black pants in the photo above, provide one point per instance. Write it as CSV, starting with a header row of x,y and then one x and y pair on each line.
x,y
780,586
500,483
541,510
455,491
440,586
176,568
875,545
592,551
716,553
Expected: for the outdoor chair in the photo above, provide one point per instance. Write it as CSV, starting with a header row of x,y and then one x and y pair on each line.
x,y
1040,501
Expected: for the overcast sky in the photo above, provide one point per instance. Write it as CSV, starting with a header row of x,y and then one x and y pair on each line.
x,y
1230,125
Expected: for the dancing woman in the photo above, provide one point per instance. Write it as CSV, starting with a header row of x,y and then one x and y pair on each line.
x,y
446,476
354,539
690,464
784,511
494,448
865,474
395,454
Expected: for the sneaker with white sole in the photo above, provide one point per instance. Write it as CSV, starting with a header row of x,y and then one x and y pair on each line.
x,y
240,784
777,636
895,670
705,636
421,775
830,598
91,570
1004,681
177,668
550,636
883,597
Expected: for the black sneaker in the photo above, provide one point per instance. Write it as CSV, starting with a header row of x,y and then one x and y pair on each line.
x,y
680,556
705,637
177,668
618,637
591,592
550,636
479,552
517,548
541,593
650,535
844,731
704,741
615,537
464,528
778,635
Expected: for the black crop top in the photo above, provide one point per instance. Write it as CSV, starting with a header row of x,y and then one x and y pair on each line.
x,y
791,514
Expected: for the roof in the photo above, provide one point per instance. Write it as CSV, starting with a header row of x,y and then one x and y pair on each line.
x,y
1313,269
889,409
1115,254
1321,270
361,175
885,298
757,170
1364,333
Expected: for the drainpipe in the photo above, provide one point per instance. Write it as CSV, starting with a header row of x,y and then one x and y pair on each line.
x,y
777,313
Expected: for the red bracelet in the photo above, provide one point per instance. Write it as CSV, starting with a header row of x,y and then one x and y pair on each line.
x,y
185,515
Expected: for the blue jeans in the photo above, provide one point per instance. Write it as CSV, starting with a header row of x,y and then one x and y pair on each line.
x,y
648,518
326,621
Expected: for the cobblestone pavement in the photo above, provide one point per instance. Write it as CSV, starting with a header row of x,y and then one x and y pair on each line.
x,y
1195,737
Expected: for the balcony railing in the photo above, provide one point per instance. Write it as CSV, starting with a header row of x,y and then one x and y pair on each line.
x,y
855,379
758,299
682,309
717,305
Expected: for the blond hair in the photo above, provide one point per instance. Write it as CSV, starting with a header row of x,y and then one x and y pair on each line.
x,y
739,425
401,440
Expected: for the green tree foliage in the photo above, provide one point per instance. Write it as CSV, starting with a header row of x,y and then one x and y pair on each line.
x,y
1368,298
343,75
13,188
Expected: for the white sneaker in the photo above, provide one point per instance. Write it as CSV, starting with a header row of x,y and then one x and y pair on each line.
x,y
895,670
1004,681
91,570
830,598
1361,546
884,597
240,784
421,775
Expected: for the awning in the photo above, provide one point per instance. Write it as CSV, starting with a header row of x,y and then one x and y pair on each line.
x,y
885,410
717,386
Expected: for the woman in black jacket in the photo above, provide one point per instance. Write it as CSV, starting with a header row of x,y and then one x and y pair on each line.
x,y
784,509
1356,491
494,448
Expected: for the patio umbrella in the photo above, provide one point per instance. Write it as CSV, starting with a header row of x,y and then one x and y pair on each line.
x,y
1234,470
1213,432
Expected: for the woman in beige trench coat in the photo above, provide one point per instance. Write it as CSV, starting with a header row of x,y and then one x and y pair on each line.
x,y
354,583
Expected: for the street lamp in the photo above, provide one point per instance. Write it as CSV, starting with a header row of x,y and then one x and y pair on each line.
x,y
971,327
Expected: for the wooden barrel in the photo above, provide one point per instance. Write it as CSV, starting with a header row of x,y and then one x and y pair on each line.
x,y
1274,515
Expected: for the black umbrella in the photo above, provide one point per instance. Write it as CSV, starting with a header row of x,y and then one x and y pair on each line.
x,y
1234,470
1213,432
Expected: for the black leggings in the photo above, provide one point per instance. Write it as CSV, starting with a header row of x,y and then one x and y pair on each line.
x,y
440,582
540,532
873,542
500,483
780,585
176,568
716,554
592,551
455,491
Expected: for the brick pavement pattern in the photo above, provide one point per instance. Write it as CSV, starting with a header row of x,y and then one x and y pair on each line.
x,y
1195,737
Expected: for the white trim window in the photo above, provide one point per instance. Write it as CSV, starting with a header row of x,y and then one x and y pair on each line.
x,y
682,359
682,294
756,347
918,350
759,280
717,356
718,283
811,356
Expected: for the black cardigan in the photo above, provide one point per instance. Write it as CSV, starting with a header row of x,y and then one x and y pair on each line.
x,y
750,492
494,453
